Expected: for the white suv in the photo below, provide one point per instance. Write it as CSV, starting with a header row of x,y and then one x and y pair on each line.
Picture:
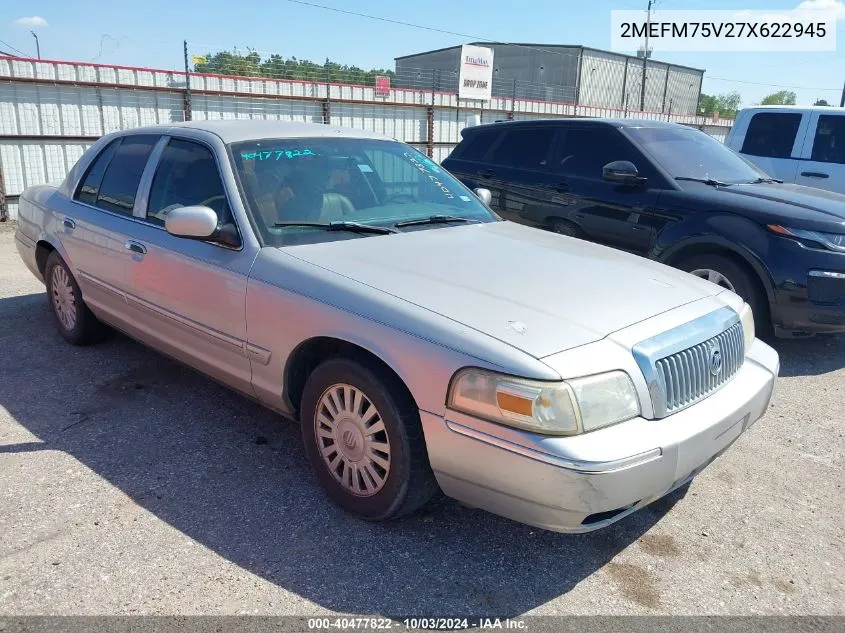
x,y
805,146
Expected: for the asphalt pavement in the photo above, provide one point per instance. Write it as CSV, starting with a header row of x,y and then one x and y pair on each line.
x,y
132,485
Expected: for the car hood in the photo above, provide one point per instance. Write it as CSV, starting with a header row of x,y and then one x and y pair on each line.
x,y
537,291
789,204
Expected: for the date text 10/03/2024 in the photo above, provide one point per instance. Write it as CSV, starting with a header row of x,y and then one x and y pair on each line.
x,y
441,624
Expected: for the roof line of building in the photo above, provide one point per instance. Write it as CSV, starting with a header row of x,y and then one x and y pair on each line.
x,y
542,46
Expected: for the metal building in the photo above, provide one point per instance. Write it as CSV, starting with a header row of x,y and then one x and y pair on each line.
x,y
570,74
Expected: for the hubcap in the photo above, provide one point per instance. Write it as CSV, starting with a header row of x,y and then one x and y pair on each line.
x,y
64,300
352,440
714,276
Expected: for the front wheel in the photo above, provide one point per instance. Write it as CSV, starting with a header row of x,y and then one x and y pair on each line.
x,y
728,274
364,440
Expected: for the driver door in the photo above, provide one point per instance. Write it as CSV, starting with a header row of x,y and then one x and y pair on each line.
x,y
189,296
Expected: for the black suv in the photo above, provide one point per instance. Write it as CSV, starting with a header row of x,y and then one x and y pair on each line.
x,y
674,194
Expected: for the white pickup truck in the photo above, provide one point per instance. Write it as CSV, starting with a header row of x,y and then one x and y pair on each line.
x,y
805,146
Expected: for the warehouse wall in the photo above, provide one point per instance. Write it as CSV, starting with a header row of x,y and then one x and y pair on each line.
x,y
52,111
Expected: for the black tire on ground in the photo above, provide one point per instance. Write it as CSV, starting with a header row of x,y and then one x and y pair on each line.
x,y
409,482
745,284
84,328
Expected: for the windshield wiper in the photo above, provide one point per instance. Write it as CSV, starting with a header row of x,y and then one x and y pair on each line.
x,y
707,181
352,227
433,219
760,181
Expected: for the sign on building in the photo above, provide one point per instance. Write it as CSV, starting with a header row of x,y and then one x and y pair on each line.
x,y
475,80
382,85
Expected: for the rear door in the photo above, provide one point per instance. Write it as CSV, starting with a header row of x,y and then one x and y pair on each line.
x,y
618,215
189,296
97,231
773,140
518,175
823,158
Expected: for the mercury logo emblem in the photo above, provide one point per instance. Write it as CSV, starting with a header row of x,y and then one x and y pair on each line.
x,y
715,360
349,439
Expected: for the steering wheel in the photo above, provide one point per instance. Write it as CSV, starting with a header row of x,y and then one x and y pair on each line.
x,y
207,202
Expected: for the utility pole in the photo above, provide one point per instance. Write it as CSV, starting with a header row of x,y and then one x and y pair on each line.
x,y
645,55
187,83
37,45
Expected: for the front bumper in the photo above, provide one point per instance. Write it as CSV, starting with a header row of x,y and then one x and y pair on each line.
x,y
585,482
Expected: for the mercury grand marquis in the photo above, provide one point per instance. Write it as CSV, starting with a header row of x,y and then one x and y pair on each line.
x,y
346,281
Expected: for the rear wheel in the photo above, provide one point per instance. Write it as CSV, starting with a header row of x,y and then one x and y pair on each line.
x,y
76,323
364,441
725,272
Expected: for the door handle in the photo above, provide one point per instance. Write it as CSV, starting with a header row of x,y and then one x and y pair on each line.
x,y
69,224
815,174
135,247
487,173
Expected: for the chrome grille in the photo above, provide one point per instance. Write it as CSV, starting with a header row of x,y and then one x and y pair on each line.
x,y
687,376
679,364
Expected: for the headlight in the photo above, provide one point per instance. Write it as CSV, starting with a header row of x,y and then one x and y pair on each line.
x,y
746,317
831,241
553,408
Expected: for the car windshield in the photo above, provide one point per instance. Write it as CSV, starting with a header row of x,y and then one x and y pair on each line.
x,y
687,153
320,189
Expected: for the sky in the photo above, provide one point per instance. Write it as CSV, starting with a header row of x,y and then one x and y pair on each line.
x,y
150,34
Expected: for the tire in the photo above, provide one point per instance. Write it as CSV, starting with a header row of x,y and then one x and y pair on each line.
x,y
75,322
565,227
390,465
736,278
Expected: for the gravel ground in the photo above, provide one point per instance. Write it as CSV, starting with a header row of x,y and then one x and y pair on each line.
x,y
130,485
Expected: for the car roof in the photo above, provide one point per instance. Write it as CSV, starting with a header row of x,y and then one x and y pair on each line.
x,y
571,121
235,130
828,108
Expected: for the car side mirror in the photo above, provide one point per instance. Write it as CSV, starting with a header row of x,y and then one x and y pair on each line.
x,y
484,195
622,172
194,222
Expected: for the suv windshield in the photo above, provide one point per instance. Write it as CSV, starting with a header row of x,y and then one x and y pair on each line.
x,y
296,189
689,154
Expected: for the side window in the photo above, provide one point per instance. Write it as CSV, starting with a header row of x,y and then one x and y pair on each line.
x,y
474,148
90,185
525,148
186,175
771,134
123,174
584,152
829,142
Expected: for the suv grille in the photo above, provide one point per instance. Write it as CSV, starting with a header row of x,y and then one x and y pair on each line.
x,y
689,362
693,373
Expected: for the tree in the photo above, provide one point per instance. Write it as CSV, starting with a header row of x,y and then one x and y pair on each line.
x,y
821,102
726,104
782,97
277,67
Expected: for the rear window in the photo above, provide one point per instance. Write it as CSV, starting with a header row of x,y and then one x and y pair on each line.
x,y
771,134
475,146
123,175
829,142
524,148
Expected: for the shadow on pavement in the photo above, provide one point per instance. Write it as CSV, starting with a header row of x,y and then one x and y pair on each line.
x,y
232,476
821,354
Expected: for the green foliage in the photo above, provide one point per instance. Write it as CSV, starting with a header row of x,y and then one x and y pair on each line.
x,y
821,102
277,67
726,104
782,97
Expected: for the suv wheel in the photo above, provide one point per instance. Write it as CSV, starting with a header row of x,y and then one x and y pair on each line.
x,y
364,440
728,274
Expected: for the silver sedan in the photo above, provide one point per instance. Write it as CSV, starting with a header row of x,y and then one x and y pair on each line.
x,y
346,280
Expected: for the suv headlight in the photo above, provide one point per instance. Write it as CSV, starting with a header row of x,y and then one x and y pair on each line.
x,y
553,408
746,317
830,241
